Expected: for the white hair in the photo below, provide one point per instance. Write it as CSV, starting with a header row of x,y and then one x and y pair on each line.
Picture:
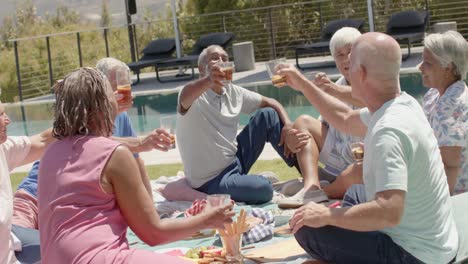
x,y
204,53
449,47
342,37
109,65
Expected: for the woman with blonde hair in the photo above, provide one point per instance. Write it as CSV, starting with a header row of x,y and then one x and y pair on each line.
x,y
444,67
90,188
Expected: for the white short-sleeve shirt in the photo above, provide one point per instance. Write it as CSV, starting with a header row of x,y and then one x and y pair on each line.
x,y
336,153
401,153
448,116
206,133
12,153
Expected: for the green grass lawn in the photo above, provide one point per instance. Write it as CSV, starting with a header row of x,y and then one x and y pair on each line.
x,y
155,171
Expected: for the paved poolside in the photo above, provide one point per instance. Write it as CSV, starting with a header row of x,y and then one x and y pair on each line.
x,y
149,85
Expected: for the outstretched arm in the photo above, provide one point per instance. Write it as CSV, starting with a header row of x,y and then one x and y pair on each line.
x,y
158,139
194,89
138,210
333,110
39,144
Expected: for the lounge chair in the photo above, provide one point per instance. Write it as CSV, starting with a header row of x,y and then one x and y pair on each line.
x,y
157,50
222,39
408,27
323,45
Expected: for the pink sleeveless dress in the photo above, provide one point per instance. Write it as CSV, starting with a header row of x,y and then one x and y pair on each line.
x,y
78,221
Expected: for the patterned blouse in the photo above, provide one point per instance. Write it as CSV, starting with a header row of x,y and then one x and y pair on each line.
x,y
448,116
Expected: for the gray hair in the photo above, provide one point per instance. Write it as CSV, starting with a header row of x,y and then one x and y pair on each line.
x,y
204,53
82,105
342,37
109,65
449,48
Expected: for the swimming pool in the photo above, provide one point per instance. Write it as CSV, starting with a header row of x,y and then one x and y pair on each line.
x,y
148,110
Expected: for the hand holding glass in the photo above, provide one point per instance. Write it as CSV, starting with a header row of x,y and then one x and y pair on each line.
x,y
277,80
122,79
357,148
228,70
215,200
168,123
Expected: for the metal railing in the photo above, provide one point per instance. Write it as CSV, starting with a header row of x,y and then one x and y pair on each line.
x,y
274,30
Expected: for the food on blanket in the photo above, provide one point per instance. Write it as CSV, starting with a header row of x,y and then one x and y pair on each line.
x,y
194,253
206,260
213,260
200,252
213,252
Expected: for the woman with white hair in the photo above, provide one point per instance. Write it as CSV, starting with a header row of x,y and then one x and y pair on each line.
x,y
97,191
329,146
444,67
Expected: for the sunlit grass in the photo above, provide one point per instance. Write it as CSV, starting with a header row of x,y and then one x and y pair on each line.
x,y
155,171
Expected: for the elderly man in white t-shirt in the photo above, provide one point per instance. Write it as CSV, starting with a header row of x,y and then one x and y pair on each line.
x,y
403,212
217,160
14,152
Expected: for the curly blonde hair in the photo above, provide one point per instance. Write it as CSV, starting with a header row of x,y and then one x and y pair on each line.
x,y
82,105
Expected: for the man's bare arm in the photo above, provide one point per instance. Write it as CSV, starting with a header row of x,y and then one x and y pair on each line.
x,y
39,144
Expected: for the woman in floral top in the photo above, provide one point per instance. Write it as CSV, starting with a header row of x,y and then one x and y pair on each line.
x,y
444,67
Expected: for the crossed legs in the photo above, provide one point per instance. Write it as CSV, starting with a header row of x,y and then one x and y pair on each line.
x,y
308,159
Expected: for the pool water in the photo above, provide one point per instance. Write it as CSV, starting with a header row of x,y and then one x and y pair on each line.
x,y
148,110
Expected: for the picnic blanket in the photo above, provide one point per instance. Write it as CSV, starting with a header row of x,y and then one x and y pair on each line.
x,y
176,209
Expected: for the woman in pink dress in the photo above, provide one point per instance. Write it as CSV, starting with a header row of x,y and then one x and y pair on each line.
x,y
90,189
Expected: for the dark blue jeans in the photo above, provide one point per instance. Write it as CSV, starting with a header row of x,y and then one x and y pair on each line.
x,y
30,243
337,245
264,126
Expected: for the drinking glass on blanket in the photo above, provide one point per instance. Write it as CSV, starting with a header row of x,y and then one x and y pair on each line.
x,y
277,80
168,123
232,245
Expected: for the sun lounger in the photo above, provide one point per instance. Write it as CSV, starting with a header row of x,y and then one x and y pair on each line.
x,y
222,39
323,45
157,50
408,27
